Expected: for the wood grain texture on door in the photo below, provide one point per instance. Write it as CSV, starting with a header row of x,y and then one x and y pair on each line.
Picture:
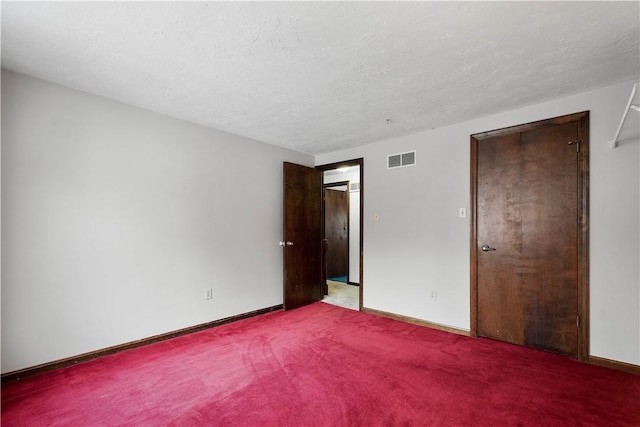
x,y
302,236
528,208
336,216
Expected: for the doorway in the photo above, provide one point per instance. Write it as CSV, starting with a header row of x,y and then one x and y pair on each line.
x,y
529,237
343,232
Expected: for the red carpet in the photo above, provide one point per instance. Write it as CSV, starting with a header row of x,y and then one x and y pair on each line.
x,y
322,365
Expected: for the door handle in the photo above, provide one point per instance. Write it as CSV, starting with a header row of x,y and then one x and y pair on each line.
x,y
487,248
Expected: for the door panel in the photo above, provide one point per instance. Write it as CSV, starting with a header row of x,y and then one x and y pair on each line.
x,y
550,237
302,236
527,203
500,291
336,205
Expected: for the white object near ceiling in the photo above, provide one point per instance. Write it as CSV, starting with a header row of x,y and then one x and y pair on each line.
x,y
633,107
342,170
323,76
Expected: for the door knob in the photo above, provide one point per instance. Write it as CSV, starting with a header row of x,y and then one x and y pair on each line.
x,y
487,248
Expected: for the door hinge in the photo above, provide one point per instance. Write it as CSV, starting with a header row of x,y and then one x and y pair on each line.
x,y
578,322
577,142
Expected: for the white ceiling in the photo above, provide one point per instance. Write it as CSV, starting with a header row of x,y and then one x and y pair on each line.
x,y
322,76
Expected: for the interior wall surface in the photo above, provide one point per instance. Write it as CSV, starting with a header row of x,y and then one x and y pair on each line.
x,y
115,220
420,245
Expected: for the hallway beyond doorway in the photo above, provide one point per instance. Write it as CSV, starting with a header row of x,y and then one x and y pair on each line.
x,y
342,295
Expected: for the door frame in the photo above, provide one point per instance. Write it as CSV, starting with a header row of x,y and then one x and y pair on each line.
x,y
346,163
582,220
324,221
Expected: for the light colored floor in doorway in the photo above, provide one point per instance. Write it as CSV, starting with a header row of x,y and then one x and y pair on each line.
x,y
343,295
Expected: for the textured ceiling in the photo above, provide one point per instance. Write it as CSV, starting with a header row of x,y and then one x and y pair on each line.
x,y
322,76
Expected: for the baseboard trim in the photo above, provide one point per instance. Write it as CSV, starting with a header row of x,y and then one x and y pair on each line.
x,y
614,364
594,360
415,321
49,366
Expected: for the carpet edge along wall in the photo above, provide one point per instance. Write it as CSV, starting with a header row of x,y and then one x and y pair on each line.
x,y
322,365
73,360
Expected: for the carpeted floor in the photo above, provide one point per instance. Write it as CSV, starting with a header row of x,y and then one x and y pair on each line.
x,y
322,365
343,295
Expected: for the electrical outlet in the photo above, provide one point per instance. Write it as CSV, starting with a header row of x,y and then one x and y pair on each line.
x,y
208,293
433,295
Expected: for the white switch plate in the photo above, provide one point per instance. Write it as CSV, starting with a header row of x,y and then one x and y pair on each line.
x,y
462,213
208,293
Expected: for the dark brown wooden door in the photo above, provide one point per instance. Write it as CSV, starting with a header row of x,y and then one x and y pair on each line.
x,y
302,242
527,237
336,217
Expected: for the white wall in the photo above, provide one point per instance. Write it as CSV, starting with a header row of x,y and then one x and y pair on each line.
x,y
354,220
116,219
420,244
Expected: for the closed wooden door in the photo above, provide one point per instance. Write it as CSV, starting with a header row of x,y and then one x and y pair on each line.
x,y
302,244
529,235
336,217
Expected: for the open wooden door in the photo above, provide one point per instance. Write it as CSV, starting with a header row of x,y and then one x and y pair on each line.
x,y
302,242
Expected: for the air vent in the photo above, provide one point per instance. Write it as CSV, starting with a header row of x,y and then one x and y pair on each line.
x,y
354,186
401,160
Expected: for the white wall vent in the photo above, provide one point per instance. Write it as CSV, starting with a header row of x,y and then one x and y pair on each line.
x,y
354,186
401,160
